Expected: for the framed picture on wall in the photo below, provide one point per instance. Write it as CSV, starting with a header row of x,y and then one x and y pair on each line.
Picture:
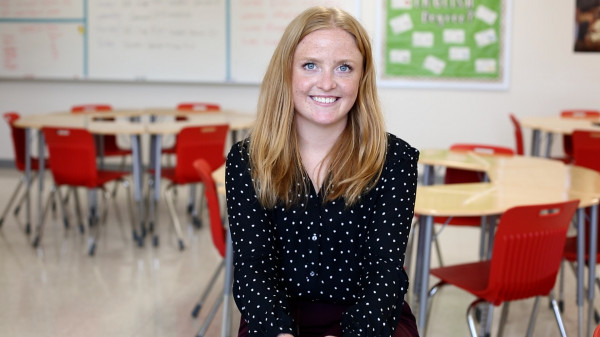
x,y
444,44
587,26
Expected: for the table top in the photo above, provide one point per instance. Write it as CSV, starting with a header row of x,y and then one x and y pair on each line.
x,y
558,124
96,122
514,181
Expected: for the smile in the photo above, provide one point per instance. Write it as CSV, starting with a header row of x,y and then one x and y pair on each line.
x,y
326,100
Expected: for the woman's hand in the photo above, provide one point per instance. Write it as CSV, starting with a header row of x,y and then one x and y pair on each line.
x,y
285,335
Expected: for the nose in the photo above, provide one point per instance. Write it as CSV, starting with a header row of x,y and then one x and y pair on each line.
x,y
327,80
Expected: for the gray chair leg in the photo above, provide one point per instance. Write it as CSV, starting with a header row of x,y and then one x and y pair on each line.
x,y
503,316
174,218
533,316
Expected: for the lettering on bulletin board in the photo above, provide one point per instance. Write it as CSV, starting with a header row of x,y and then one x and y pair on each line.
x,y
444,43
214,41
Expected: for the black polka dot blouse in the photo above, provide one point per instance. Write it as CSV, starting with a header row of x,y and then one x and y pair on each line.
x,y
323,252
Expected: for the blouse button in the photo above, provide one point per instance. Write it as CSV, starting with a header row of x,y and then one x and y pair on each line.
x,y
314,237
312,273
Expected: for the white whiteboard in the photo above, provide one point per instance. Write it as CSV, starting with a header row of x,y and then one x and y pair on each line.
x,y
214,41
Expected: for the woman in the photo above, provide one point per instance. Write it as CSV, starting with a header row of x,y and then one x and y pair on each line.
x,y
320,197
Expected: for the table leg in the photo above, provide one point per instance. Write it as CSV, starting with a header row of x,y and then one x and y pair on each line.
x,y
580,271
549,139
593,236
226,323
156,148
423,266
136,159
41,164
535,143
28,180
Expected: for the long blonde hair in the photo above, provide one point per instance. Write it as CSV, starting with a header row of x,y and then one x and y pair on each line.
x,y
355,160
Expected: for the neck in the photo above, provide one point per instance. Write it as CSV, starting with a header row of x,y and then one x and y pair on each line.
x,y
314,144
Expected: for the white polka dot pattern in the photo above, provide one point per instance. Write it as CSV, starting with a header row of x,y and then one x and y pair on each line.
x,y
323,252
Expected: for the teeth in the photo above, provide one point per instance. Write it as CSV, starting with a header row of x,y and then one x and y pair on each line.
x,y
324,99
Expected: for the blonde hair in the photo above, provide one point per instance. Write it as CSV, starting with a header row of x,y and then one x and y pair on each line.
x,y
357,158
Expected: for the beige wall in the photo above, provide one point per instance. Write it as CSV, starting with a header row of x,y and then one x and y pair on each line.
x,y
545,77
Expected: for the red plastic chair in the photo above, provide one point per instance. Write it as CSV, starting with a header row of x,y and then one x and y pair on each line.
x,y
458,176
206,142
111,147
586,153
597,331
191,107
73,163
218,232
18,140
526,258
519,143
567,139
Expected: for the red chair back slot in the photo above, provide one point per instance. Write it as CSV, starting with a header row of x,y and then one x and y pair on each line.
x,y
456,176
72,156
207,142
218,232
528,249
90,108
196,107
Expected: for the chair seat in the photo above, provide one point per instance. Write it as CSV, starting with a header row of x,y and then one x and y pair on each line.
x,y
468,221
472,277
35,164
106,176
169,173
116,153
570,253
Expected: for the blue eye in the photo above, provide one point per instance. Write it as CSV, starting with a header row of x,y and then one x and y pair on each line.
x,y
345,68
309,66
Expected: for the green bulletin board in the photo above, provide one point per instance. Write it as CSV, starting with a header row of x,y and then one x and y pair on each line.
x,y
445,43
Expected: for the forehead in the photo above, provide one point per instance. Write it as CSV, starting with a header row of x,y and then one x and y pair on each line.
x,y
324,41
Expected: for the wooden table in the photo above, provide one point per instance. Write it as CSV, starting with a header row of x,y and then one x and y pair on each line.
x,y
555,125
514,181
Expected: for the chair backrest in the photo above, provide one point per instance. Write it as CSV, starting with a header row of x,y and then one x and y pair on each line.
x,y
18,139
218,232
580,113
586,149
90,108
528,248
194,142
196,107
456,176
72,156
519,143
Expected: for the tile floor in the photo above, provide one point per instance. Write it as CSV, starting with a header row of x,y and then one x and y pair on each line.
x,y
125,290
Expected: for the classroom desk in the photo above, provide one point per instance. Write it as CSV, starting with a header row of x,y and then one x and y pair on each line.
x,y
96,123
93,123
554,125
514,181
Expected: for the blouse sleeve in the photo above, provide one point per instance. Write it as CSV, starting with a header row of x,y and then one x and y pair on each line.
x,y
384,281
256,289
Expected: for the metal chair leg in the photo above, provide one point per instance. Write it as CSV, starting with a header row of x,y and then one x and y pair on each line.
x,y
533,316
12,199
503,316
470,320
208,289
559,321
211,316
174,218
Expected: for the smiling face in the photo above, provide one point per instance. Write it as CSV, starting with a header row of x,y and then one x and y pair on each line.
x,y
326,72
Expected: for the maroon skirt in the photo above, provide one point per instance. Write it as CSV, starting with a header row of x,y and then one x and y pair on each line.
x,y
323,319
